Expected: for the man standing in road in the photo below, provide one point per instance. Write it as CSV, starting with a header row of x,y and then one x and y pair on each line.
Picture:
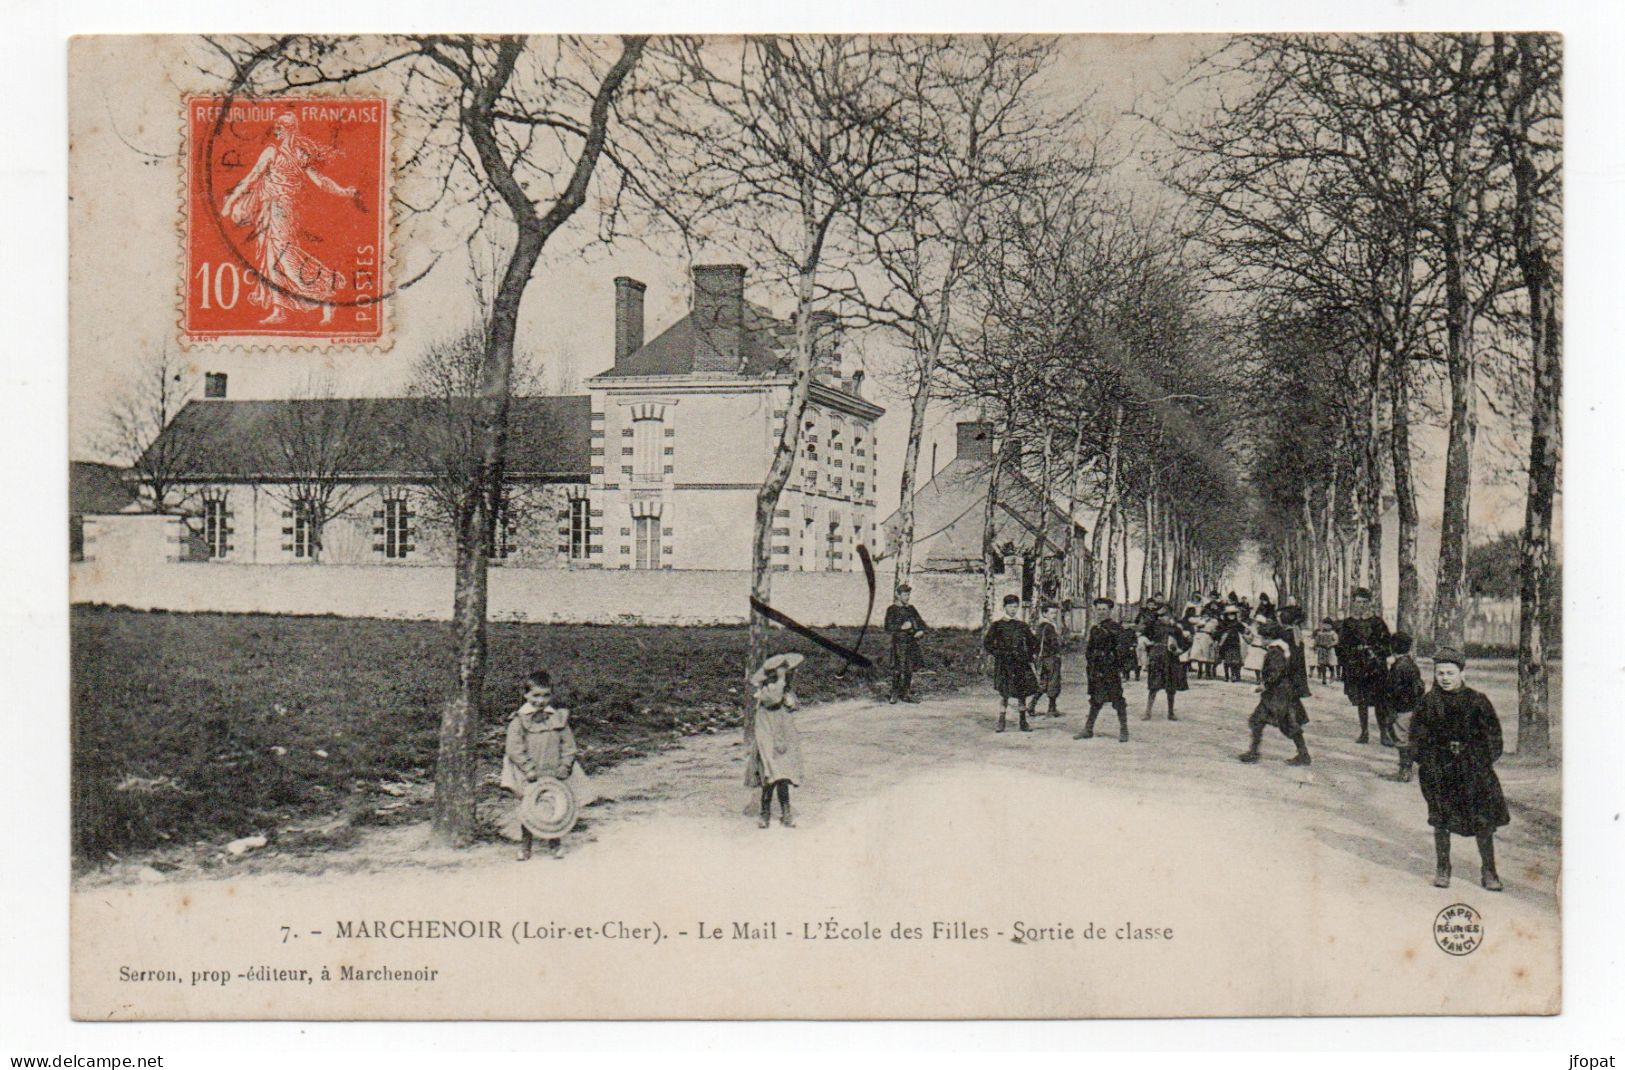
x,y
905,625
1362,650
1102,653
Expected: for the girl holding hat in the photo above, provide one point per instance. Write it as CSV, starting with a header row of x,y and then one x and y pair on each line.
x,y
775,764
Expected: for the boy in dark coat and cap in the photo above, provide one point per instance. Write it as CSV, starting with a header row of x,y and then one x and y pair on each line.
x,y
1456,738
1013,646
1048,661
1102,653
1402,693
1279,704
905,625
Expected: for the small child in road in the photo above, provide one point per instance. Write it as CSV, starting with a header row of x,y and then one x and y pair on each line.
x,y
775,764
539,744
1325,639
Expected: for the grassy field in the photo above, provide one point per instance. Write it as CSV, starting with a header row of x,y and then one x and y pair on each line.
x,y
202,727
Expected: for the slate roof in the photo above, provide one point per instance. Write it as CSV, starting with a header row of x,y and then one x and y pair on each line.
x,y
764,344
97,488
548,437
950,509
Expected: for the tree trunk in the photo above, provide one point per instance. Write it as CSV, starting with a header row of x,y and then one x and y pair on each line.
x,y
1410,584
1371,489
1148,538
1068,550
925,369
454,820
904,564
784,457
1536,608
1113,520
1145,548
1450,599
1113,462
455,781
1122,529
990,524
1041,539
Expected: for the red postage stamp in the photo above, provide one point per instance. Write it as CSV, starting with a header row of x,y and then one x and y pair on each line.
x,y
286,220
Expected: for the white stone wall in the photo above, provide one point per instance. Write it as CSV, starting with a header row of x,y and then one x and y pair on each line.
x,y
111,539
594,596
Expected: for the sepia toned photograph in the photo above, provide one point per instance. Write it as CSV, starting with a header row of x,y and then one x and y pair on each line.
x,y
816,526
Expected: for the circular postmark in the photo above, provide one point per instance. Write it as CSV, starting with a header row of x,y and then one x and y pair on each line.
x,y
1458,929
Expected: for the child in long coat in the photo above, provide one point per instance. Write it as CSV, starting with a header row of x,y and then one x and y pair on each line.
x,y
775,764
1456,737
1013,646
1103,654
1048,658
1164,671
539,744
1402,694
1128,652
1278,703
1325,639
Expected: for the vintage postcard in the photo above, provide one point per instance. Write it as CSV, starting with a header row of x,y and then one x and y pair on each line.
x,y
812,526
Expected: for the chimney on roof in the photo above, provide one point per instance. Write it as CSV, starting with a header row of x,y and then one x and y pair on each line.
x,y
857,383
628,317
214,384
975,440
826,340
719,318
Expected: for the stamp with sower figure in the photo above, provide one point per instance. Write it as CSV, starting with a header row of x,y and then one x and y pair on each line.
x,y
286,220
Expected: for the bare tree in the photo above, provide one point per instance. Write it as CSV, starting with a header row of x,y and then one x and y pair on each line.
x,y
973,131
804,139
514,129
439,432
1530,118
133,432
309,462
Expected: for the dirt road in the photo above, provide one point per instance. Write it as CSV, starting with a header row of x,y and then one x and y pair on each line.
x,y
1156,877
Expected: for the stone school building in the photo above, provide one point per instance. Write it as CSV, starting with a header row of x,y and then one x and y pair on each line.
x,y
657,466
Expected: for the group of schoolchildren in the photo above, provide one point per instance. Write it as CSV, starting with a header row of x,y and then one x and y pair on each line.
x,y
1449,736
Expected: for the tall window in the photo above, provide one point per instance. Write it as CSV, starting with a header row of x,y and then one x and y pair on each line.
x,y
306,532
646,443
395,527
646,547
580,529
216,529
832,547
502,527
